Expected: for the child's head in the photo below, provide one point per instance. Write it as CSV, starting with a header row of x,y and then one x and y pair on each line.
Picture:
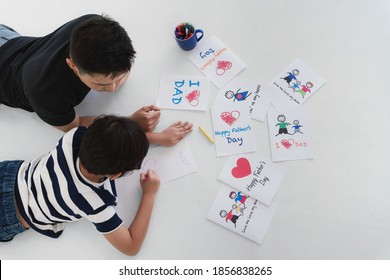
x,y
100,45
223,213
233,194
113,145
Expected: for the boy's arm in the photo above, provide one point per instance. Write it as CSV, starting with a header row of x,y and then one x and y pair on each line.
x,y
129,240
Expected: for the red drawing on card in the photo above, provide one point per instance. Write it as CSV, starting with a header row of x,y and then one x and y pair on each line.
x,y
242,169
148,164
287,143
193,97
222,66
230,117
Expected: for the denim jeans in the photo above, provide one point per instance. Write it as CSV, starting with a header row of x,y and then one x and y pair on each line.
x,y
9,222
6,34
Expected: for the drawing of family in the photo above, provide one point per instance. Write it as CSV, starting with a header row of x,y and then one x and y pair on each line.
x,y
297,85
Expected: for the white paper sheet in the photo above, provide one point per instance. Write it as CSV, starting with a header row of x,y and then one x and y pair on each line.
x,y
241,214
216,61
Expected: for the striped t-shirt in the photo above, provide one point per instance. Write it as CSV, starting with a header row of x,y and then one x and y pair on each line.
x,y
51,191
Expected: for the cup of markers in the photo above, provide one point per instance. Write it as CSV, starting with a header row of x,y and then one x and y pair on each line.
x,y
187,36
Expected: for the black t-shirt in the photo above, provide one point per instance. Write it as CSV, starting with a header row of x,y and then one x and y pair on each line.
x,y
34,75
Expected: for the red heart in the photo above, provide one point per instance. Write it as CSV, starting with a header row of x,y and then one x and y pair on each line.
x,y
242,169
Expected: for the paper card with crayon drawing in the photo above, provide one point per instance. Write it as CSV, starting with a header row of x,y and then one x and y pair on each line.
x,y
296,84
170,163
216,61
241,214
232,129
253,175
289,133
184,92
242,90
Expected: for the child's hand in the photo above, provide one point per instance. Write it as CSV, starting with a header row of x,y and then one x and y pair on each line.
x,y
174,133
150,182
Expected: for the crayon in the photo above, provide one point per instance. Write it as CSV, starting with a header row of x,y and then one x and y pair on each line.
x,y
206,134
145,178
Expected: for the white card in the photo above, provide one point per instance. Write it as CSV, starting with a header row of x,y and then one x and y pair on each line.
x,y
295,84
241,214
262,102
289,133
216,61
170,163
232,129
242,90
253,175
183,92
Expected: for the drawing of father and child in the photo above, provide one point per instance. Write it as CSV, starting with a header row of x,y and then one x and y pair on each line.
x,y
237,209
283,126
297,87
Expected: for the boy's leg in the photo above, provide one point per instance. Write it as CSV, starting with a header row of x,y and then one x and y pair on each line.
x,y
9,222
6,34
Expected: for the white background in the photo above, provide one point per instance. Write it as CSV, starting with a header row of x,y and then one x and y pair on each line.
x,y
335,206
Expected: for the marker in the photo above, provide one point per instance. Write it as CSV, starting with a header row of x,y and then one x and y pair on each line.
x,y
145,178
206,134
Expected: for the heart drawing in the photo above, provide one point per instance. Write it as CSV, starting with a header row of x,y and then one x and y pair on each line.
x,y
230,117
222,66
287,143
193,97
148,164
242,169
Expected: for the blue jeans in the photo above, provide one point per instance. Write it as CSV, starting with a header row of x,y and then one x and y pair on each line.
x,y
9,222
6,34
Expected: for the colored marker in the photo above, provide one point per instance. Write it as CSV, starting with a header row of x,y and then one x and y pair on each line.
x,y
145,178
206,134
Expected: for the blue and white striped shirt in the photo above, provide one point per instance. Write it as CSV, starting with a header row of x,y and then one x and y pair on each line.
x,y
52,191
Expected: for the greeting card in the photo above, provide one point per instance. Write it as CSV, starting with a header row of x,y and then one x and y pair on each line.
x,y
296,84
183,92
170,163
232,129
241,214
216,61
241,90
253,175
289,133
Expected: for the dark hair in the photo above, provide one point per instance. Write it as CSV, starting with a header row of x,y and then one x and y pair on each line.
x,y
99,45
113,145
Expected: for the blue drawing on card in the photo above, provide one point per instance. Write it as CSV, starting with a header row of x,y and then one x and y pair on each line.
x,y
237,210
291,76
238,197
297,86
283,126
192,97
297,127
238,95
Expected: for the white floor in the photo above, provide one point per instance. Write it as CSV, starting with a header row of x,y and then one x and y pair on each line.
x,y
335,206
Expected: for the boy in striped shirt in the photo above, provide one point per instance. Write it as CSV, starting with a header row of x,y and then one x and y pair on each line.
x,y
76,180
